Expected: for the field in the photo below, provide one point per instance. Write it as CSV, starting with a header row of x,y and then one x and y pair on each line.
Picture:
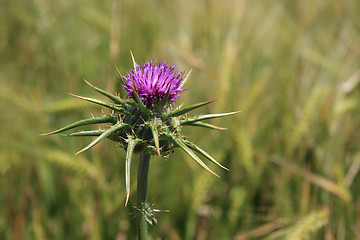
x,y
291,67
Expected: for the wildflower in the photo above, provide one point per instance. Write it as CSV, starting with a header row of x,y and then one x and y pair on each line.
x,y
145,121
152,81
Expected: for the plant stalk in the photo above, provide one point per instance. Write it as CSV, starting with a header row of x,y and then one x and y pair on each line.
x,y
142,182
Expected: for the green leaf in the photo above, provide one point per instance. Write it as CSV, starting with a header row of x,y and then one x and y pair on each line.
x,y
104,119
91,133
203,153
182,111
183,146
129,153
112,106
104,135
116,99
206,125
205,117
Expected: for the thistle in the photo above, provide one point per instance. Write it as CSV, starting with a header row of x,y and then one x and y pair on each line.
x,y
145,122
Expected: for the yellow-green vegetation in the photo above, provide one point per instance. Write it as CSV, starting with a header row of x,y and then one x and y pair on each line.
x,y
291,67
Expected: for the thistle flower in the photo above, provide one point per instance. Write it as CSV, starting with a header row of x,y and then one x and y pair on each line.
x,y
152,81
145,120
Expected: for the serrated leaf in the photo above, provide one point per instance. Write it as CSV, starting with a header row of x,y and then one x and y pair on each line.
x,y
206,125
116,99
104,119
183,146
203,153
205,117
112,106
104,135
182,111
129,153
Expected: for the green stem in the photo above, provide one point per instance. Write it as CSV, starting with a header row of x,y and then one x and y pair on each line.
x,y
142,195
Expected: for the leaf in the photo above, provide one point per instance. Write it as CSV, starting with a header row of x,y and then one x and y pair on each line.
x,y
101,103
129,153
203,153
205,117
182,111
206,125
104,135
182,145
116,99
104,119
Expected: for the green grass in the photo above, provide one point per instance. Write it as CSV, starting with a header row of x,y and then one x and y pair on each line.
x,y
291,67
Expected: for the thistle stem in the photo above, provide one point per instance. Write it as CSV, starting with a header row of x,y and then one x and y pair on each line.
x,y
142,195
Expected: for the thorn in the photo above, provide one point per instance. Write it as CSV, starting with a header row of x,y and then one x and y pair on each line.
x,y
186,78
133,59
89,83
82,150
118,71
127,199
46,134
74,95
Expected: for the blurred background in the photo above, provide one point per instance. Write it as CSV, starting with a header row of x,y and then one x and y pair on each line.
x,y
291,67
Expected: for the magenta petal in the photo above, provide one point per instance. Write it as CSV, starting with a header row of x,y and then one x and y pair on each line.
x,y
152,81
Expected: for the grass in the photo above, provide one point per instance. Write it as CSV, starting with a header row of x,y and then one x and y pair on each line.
x,y
291,67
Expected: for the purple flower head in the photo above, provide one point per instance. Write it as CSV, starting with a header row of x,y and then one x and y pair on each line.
x,y
152,81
